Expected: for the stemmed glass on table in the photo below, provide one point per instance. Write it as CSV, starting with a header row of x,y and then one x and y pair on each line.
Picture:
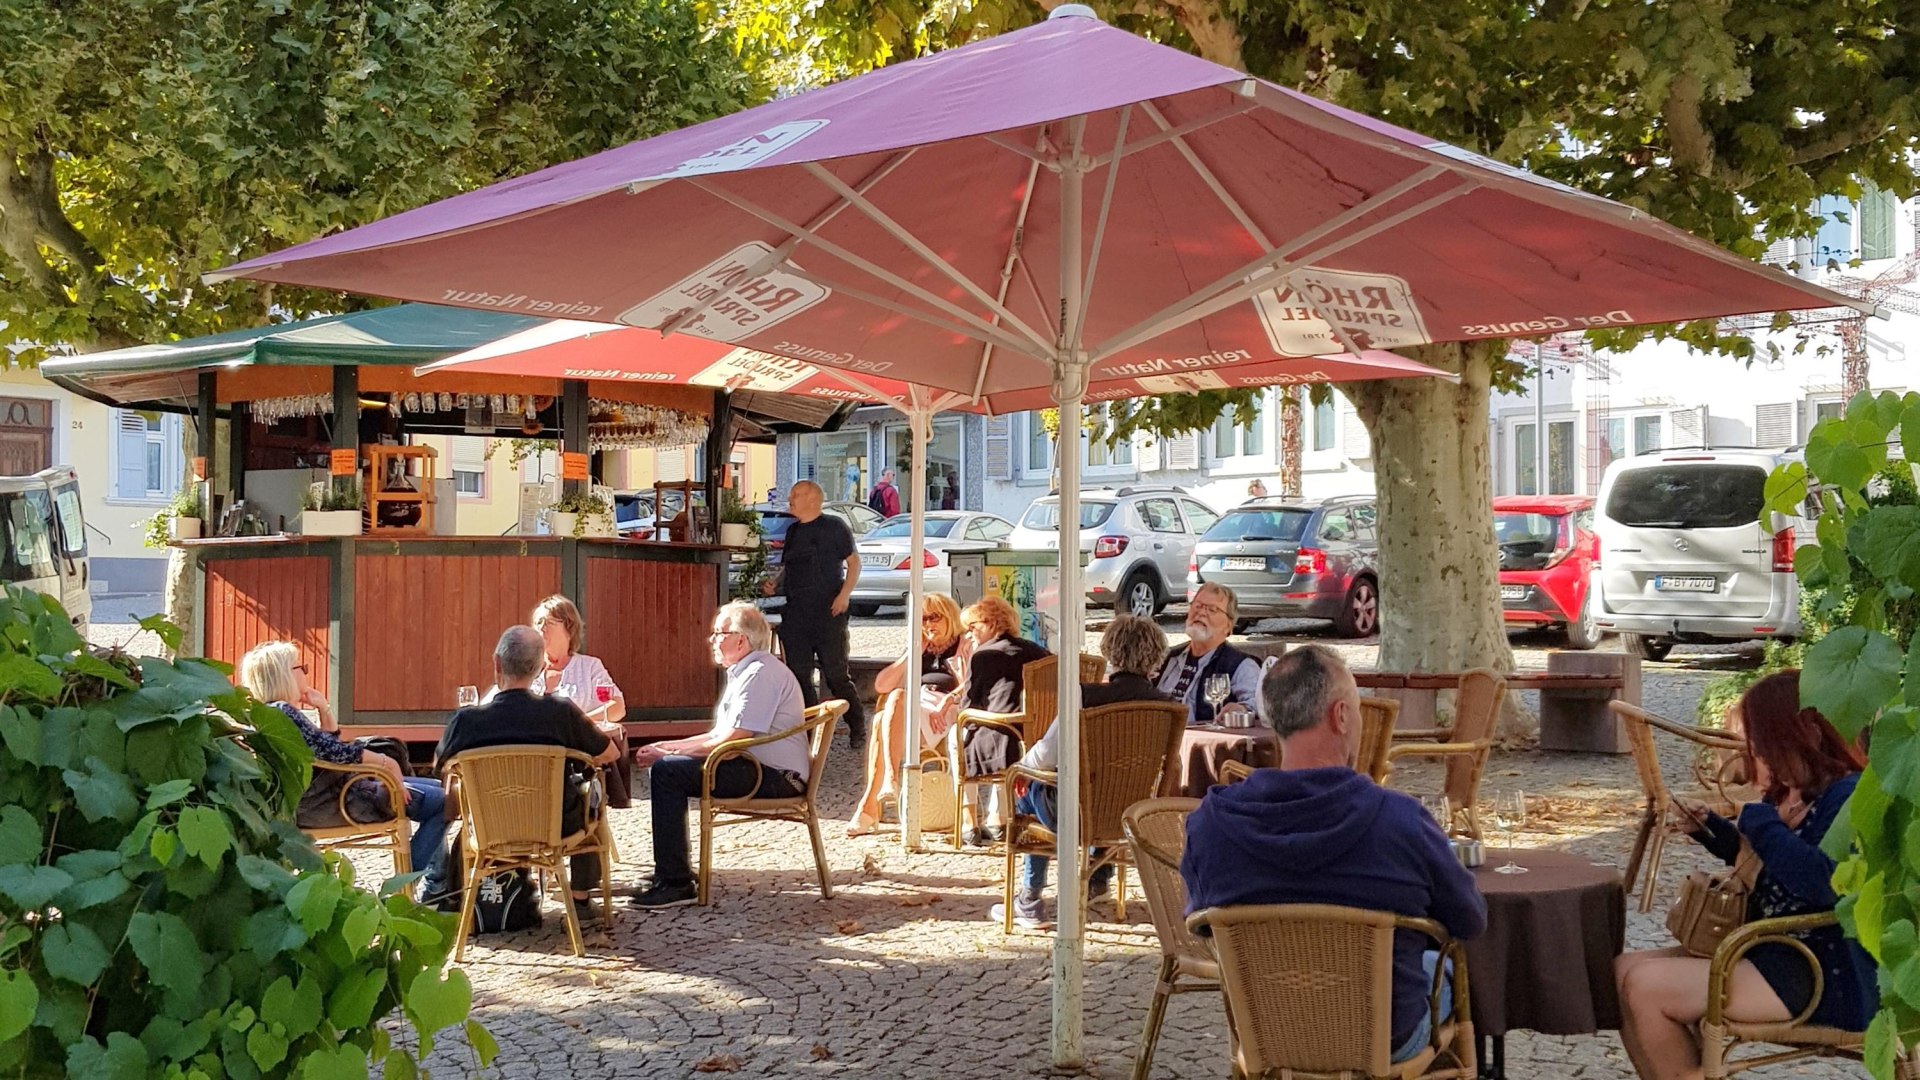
x,y
1510,813
1217,690
466,696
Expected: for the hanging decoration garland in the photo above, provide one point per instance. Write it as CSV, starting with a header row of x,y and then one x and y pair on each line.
x,y
623,425
614,425
271,410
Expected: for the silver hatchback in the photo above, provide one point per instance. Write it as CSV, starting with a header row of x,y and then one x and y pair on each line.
x,y
1313,559
1137,539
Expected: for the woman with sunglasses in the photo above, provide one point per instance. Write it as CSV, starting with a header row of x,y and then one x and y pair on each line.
x,y
939,643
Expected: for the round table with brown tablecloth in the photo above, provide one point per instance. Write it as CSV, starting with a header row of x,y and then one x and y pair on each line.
x,y
1546,961
1203,749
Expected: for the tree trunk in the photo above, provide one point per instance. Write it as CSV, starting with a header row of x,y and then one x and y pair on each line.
x,y
1439,564
1290,444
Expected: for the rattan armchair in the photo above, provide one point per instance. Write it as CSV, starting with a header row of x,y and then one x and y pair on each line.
x,y
1650,842
1465,745
1232,772
1377,719
389,835
1125,749
802,808
1799,1039
1039,705
510,800
1157,832
1309,991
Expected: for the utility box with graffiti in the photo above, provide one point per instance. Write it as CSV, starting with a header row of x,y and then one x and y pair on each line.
x,y
1029,580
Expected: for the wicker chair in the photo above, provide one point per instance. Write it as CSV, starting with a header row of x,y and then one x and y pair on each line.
x,y
1124,751
510,807
1465,745
1232,772
389,835
1286,969
1377,719
1719,1035
1039,705
1650,842
1157,832
803,809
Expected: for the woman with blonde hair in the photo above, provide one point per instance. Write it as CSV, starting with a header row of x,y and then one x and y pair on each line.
x,y
583,680
939,643
272,672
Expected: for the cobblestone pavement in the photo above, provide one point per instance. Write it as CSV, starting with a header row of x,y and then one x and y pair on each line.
x,y
900,975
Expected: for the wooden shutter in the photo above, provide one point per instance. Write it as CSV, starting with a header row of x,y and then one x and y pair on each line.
x,y
1773,424
999,448
1183,451
130,473
1686,427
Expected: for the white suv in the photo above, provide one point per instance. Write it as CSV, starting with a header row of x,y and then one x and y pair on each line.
x,y
1684,555
1138,541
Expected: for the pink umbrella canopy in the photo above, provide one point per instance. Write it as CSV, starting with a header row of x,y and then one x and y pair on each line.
x,y
569,349
915,216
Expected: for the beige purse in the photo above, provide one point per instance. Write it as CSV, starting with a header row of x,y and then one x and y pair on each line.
x,y
1710,906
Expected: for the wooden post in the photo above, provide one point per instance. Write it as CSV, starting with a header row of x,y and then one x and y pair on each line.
x,y
573,430
719,450
238,421
346,419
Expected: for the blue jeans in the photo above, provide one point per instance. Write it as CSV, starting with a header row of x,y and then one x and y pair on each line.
x,y
1041,802
1423,1031
427,809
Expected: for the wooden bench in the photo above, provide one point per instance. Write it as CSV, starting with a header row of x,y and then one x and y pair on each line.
x,y
1574,691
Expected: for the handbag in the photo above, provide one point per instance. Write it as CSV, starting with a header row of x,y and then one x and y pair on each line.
x,y
1712,905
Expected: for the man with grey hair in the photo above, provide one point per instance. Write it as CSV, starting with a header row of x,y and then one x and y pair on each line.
x,y
1207,656
818,570
517,716
761,698
1314,831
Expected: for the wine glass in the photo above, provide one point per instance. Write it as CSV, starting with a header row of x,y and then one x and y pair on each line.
x,y
1217,690
466,696
1510,813
1437,808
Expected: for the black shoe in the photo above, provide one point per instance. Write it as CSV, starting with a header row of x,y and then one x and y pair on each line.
x,y
584,912
663,895
1100,887
987,837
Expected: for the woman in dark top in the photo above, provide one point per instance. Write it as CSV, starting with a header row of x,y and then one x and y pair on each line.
x,y
939,643
992,660
1806,772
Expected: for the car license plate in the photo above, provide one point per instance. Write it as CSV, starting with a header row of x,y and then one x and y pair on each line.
x,y
1514,592
1243,562
877,561
1686,583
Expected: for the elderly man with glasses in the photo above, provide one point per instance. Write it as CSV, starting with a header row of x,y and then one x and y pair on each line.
x,y
1207,656
762,697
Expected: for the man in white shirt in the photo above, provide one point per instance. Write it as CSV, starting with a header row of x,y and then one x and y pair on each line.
x,y
762,697
1210,618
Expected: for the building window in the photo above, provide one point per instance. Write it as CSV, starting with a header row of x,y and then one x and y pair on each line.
x,y
1099,454
1526,462
469,481
837,461
1039,445
1323,424
147,446
1094,451
1877,213
1249,441
944,485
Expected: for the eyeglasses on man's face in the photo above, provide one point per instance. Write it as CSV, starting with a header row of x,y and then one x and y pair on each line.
x,y
715,635
1201,607
301,668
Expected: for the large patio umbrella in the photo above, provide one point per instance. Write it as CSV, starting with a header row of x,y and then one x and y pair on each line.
x,y
1067,199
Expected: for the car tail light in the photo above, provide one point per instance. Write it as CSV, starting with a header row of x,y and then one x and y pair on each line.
x,y
1310,561
927,559
1193,564
1108,546
1783,551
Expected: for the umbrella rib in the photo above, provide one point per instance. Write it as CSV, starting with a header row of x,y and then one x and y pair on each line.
x,y
998,311
1106,208
1172,316
983,330
1173,133
1207,175
1006,268
929,318
1278,271
780,253
1035,155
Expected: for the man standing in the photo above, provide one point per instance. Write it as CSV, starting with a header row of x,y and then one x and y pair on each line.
x,y
761,698
516,716
1314,831
818,570
884,499
1210,618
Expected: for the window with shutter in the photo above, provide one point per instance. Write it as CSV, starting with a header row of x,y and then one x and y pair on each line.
x,y
1877,212
1183,451
1773,424
1686,427
999,448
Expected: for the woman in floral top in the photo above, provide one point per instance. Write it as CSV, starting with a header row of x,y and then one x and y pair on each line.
x,y
1805,772
272,671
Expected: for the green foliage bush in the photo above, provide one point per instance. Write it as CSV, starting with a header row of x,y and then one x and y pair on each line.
x,y
160,916
1863,674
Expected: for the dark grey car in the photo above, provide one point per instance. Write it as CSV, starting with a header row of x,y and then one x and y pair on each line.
x,y
1296,558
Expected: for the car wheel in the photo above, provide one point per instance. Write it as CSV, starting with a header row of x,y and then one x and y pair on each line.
x,y
1360,615
1584,632
1650,648
1139,596
863,611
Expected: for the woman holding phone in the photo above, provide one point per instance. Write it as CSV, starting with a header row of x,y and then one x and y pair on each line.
x,y
1805,772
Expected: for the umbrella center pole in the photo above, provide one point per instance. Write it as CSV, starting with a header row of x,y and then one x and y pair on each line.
x,y
920,427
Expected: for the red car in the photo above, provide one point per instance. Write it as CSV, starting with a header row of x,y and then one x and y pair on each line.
x,y
1548,550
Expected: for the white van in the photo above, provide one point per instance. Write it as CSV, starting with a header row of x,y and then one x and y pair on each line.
x,y
1684,556
43,538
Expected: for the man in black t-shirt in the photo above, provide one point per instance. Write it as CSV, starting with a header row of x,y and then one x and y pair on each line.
x,y
516,716
818,570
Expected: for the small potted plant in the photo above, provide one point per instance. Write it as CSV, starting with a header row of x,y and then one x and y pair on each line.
x,y
737,521
580,513
183,519
331,508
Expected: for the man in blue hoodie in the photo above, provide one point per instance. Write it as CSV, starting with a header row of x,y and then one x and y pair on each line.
x,y
1314,831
